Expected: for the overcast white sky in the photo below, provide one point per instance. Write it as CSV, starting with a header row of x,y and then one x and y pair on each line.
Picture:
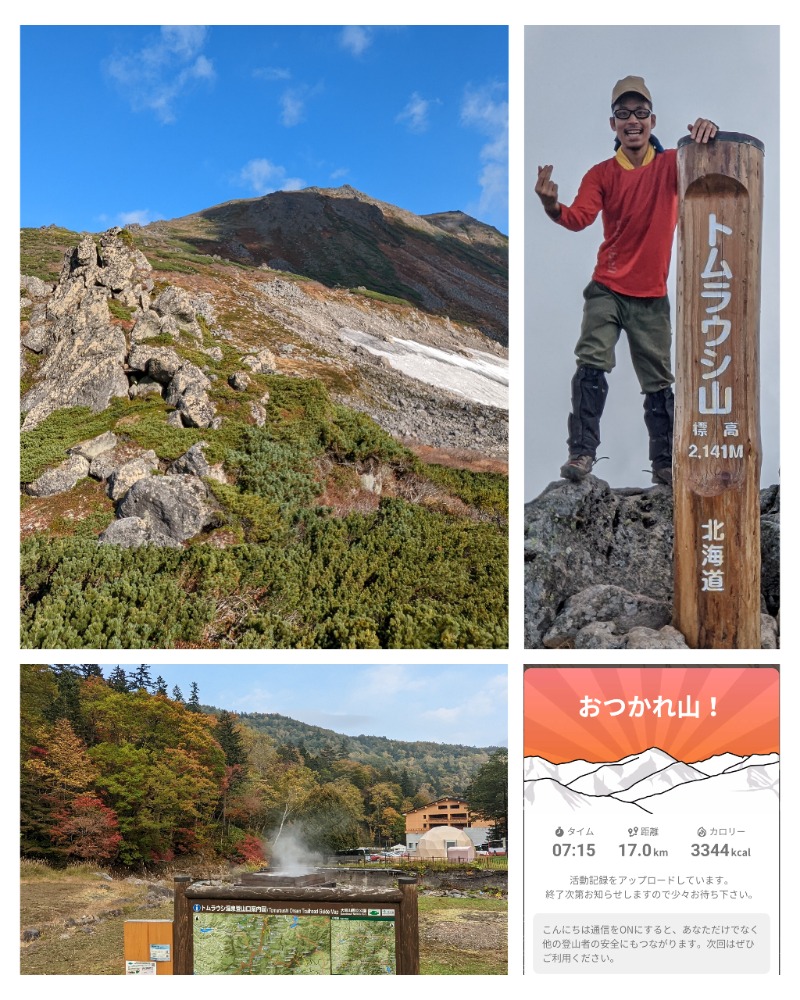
x,y
729,74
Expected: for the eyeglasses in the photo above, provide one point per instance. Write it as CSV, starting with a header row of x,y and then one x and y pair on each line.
x,y
623,114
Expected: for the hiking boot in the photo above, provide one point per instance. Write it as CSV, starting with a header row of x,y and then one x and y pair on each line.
x,y
577,467
663,476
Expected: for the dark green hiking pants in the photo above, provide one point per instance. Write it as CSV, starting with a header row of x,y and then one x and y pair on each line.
x,y
645,321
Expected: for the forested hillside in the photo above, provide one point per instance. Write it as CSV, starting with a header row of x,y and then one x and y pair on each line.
x,y
442,766
121,771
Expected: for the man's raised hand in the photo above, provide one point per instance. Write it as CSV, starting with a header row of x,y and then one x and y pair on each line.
x,y
547,190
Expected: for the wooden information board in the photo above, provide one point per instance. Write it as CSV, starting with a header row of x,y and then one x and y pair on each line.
x,y
338,930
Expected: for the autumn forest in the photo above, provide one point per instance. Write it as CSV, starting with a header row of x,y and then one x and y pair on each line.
x,y
118,770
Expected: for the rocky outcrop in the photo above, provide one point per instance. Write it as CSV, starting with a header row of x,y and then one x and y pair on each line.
x,y
598,567
173,313
88,361
185,386
85,351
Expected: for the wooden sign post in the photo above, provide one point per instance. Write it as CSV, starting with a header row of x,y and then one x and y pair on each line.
x,y
717,449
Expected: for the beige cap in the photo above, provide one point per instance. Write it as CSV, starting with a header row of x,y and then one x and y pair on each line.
x,y
630,85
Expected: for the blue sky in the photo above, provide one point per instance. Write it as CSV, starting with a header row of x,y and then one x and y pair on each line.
x,y
465,704
131,124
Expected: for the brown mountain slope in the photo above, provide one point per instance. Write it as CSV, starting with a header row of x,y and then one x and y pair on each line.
x,y
447,264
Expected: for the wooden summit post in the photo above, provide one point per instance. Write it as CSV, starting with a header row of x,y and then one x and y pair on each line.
x,y
717,450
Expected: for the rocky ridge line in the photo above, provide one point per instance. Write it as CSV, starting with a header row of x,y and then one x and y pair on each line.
x,y
598,567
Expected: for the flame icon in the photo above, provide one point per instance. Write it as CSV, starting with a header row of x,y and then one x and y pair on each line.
x,y
701,832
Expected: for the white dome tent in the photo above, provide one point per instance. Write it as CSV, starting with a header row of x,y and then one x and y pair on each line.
x,y
446,842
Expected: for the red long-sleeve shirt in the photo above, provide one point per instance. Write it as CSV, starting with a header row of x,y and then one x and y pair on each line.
x,y
640,210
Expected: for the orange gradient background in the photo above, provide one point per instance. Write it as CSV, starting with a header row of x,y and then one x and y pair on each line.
x,y
746,720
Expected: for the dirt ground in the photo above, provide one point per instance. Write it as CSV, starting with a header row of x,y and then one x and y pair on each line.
x,y
71,923
471,931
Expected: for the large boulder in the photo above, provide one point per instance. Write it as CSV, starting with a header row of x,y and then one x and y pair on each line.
x,y
606,603
186,391
147,325
179,506
60,479
579,535
131,532
123,477
35,287
600,559
37,338
605,635
160,363
93,447
194,463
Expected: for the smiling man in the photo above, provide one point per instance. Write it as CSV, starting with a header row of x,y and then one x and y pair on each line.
x,y
636,191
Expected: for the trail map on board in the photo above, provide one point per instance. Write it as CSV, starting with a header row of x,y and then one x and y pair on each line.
x,y
362,947
293,944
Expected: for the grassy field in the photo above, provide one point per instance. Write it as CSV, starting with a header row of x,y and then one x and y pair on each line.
x,y
80,914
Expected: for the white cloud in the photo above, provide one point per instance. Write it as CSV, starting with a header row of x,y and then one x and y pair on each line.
x,y
153,78
339,173
293,102
394,678
257,699
292,108
263,177
483,110
140,216
356,39
415,113
272,73
444,715
183,40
